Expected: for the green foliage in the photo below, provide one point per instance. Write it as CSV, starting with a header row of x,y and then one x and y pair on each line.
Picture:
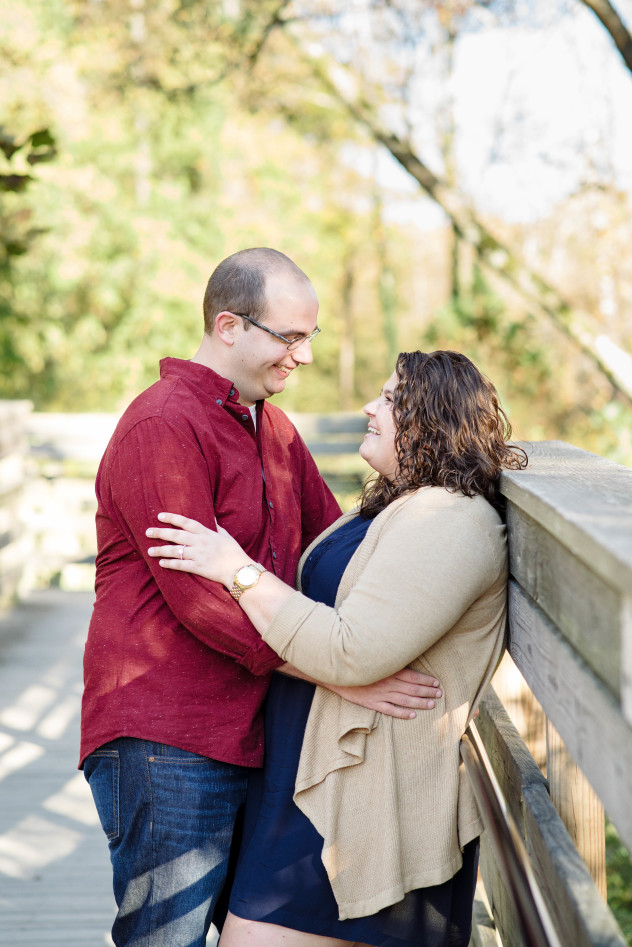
x,y
619,872
148,142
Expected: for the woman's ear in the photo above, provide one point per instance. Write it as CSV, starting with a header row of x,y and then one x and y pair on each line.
x,y
225,325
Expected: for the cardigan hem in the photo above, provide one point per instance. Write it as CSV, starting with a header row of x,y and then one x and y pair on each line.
x,y
348,910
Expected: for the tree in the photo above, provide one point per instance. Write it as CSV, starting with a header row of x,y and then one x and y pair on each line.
x,y
537,292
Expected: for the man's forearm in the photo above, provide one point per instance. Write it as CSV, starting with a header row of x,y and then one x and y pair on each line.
x,y
398,695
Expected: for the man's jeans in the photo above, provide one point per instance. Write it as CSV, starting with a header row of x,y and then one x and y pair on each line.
x,y
169,817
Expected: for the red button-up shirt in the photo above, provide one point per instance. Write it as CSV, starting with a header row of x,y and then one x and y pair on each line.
x,y
170,657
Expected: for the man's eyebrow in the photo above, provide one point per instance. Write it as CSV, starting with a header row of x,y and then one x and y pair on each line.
x,y
295,334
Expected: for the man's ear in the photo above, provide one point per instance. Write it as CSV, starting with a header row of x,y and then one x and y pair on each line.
x,y
225,325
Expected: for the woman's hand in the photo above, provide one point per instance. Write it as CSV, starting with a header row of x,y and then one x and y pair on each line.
x,y
214,555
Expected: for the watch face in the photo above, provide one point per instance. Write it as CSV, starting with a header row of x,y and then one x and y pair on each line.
x,y
247,576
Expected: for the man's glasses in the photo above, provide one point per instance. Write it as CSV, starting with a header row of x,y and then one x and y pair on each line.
x,y
292,344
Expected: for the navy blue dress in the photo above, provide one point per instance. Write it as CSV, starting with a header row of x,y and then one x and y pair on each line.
x,y
280,877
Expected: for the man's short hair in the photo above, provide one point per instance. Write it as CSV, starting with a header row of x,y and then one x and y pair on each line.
x,y
238,283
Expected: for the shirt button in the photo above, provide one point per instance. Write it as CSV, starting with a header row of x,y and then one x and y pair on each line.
x,y
274,555
218,401
244,417
271,505
232,392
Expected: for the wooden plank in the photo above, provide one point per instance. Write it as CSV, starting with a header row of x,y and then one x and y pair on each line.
x,y
13,417
524,710
61,893
578,911
313,425
584,713
514,766
483,928
578,807
582,499
585,609
319,448
626,657
500,904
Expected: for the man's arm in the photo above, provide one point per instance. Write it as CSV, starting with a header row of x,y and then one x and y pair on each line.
x,y
158,466
397,696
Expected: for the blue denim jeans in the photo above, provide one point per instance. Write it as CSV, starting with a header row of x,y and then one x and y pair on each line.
x,y
168,816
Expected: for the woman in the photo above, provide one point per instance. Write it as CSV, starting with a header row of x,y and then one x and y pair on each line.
x,y
380,845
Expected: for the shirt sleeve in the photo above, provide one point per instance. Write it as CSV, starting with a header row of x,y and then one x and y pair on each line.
x,y
427,569
158,467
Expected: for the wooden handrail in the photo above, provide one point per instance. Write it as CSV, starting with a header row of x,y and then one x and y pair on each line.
x,y
534,920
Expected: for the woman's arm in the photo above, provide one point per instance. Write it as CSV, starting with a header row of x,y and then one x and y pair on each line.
x,y
217,556
429,566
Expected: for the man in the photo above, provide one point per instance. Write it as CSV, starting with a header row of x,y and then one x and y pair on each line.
x,y
175,674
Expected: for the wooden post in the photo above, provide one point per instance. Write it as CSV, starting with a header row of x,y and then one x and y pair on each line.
x,y
579,808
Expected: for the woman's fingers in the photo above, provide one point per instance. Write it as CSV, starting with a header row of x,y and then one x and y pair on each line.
x,y
170,535
178,565
417,677
172,552
183,522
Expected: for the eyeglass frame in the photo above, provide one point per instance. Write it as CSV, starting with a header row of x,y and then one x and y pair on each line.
x,y
292,344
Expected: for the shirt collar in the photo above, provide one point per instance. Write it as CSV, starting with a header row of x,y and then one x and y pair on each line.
x,y
208,382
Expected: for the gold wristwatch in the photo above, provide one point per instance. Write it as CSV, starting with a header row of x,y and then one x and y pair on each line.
x,y
246,578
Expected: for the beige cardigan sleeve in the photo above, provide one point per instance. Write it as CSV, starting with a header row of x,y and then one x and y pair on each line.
x,y
430,563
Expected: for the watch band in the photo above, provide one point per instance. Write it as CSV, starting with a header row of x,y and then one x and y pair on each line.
x,y
238,589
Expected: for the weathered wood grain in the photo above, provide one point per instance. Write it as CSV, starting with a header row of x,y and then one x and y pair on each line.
x,y
584,713
579,913
585,608
578,807
626,657
582,499
55,877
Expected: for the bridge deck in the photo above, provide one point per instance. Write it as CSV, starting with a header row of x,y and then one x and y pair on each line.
x,y
55,886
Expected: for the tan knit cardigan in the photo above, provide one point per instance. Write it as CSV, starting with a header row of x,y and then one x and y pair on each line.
x,y
425,588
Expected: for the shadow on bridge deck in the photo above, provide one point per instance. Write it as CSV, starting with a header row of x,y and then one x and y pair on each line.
x,y
55,883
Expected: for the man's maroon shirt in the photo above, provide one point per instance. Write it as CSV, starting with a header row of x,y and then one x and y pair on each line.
x,y
170,657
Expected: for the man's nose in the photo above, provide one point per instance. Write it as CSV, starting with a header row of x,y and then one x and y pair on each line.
x,y
303,353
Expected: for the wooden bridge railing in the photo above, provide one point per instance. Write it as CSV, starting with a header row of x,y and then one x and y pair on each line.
x,y
566,683
14,545
569,519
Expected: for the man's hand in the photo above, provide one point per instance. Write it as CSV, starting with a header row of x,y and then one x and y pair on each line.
x,y
396,695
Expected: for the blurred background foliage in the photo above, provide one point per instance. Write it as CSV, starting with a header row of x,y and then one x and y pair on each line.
x,y
144,141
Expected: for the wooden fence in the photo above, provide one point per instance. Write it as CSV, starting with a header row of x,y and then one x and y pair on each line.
x,y
566,683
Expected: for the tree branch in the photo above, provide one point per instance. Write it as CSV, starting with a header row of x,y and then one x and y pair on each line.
x,y
606,13
611,361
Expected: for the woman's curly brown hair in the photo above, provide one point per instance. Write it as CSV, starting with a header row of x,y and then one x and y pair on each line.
x,y
450,432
